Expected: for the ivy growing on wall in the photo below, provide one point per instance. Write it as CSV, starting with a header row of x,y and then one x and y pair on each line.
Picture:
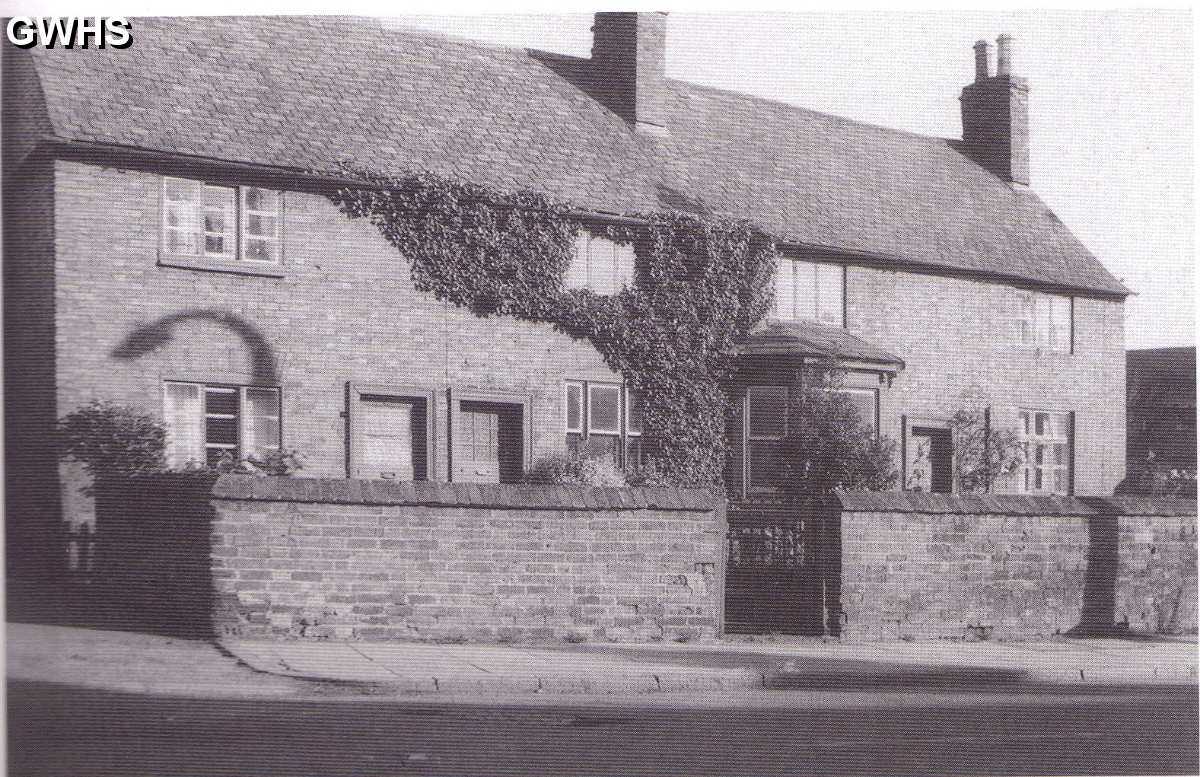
x,y
702,283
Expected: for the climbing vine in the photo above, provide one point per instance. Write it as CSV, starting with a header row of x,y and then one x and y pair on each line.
x,y
703,281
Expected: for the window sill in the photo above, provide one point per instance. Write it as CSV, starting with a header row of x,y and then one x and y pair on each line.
x,y
207,264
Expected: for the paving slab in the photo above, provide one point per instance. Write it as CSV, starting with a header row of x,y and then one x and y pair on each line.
x,y
483,669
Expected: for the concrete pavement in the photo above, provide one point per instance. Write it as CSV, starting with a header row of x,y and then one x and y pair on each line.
x,y
724,666
143,663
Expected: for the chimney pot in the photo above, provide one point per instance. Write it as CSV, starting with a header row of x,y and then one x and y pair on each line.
x,y
983,60
1004,54
995,115
629,63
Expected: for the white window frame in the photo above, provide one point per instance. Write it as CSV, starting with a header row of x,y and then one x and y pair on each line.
x,y
787,276
244,419
580,387
1036,317
1030,440
591,426
585,428
235,235
590,251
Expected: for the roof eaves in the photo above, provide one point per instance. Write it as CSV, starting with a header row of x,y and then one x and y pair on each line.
x,y
892,262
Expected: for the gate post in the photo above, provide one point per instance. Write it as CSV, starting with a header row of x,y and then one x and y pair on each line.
x,y
831,546
721,519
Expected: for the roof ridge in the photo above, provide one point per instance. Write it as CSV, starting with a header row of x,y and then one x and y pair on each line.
x,y
810,111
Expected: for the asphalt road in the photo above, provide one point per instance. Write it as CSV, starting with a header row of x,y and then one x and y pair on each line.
x,y
72,732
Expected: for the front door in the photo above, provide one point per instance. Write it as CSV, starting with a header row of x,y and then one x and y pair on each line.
x,y
932,466
392,444
488,445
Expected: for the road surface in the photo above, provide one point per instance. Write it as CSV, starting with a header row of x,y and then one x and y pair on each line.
x,y
73,732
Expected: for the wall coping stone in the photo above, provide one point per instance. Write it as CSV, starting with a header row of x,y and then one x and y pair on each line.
x,y
428,494
1011,504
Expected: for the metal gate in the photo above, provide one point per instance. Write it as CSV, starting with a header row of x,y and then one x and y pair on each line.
x,y
783,568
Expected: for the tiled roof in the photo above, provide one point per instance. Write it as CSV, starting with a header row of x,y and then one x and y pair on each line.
x,y
808,338
1158,378
308,92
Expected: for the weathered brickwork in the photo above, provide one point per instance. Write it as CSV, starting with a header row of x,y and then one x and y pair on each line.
x,y
940,568
958,339
350,559
1156,581
933,565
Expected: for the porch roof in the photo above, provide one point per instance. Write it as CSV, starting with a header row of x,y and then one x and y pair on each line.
x,y
811,339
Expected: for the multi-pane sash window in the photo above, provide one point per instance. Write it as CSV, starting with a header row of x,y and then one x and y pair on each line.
x,y
1047,439
1045,321
810,291
600,264
604,419
766,426
221,222
208,422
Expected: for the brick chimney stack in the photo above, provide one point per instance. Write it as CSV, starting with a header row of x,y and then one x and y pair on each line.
x,y
629,55
995,114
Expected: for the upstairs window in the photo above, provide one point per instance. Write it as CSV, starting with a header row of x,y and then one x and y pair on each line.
x,y
208,422
221,222
1047,439
1045,321
600,264
810,291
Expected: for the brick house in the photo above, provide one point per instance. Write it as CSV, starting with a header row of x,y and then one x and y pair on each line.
x,y
170,247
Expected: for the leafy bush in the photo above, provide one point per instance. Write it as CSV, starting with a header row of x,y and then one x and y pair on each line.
x,y
579,469
113,440
828,446
982,453
277,463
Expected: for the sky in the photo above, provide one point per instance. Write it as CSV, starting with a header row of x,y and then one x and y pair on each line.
x,y
1110,108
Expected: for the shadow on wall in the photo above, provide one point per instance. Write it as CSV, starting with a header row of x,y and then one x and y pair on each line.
x,y
151,337
1100,578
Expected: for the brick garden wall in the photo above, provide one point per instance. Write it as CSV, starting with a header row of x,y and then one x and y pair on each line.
x,y
932,565
351,559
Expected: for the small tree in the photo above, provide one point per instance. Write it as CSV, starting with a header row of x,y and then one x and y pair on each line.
x,y
982,453
112,440
827,445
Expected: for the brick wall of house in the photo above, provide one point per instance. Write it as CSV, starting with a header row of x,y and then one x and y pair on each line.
x,y
1156,579
351,559
958,339
345,312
